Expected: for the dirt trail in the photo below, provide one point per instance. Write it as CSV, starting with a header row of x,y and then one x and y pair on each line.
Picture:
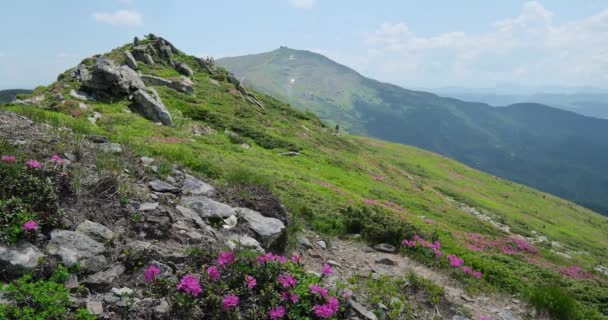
x,y
356,257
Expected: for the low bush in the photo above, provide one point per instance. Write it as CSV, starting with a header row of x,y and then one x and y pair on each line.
x,y
376,225
553,301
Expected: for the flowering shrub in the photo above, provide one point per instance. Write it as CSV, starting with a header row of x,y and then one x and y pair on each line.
x,y
267,286
29,196
509,245
575,272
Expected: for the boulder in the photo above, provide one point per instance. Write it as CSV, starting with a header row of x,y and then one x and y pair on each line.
x,y
208,208
130,60
135,41
81,73
18,259
267,229
95,231
183,68
107,80
182,84
161,186
80,95
195,186
190,215
236,241
148,59
164,50
148,104
303,241
361,310
105,279
385,247
148,206
110,147
73,247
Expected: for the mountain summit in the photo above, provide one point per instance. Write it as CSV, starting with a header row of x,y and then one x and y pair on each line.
x,y
550,149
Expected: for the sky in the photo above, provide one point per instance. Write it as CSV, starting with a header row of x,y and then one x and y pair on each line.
x,y
415,44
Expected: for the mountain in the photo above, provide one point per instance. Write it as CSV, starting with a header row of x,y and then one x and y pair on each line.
x,y
9,95
171,162
591,104
556,151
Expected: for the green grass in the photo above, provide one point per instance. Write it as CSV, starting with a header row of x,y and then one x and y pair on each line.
x,y
334,172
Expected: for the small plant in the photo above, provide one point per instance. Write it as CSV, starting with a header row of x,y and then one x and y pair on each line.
x,y
551,300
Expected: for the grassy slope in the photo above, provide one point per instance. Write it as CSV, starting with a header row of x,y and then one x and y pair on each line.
x,y
334,172
569,148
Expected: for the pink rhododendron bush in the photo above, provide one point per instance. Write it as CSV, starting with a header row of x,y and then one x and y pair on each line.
x,y
30,195
242,286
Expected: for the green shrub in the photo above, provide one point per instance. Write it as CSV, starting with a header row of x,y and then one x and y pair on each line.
x,y
376,225
246,176
553,301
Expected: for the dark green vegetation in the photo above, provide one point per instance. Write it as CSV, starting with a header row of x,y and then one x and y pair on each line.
x,y
556,151
398,185
7,96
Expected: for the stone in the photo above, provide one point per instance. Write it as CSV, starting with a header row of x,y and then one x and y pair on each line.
x,y
95,231
268,229
130,60
148,206
94,117
208,208
124,291
19,258
182,84
106,278
303,241
81,73
107,80
290,154
80,95
72,247
230,222
361,310
236,241
148,59
190,215
183,68
163,307
149,105
135,41
72,282
387,261
385,247
110,147
322,244
146,161
140,248
95,307
334,264
194,186
93,264
161,186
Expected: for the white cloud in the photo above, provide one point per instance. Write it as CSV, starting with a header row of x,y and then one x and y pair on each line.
x,y
120,17
302,4
530,48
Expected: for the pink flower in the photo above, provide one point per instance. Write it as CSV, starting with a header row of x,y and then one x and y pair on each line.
x,y
455,261
189,284
151,273
409,243
230,301
295,258
226,258
327,270
281,259
9,159
324,311
56,159
287,280
30,225
277,313
467,269
345,294
369,201
316,289
251,282
213,273
34,164
294,298
333,304
476,274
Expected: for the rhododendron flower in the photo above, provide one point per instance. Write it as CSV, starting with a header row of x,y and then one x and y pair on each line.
x,y
251,282
455,261
476,274
333,304
9,159
34,164
293,297
281,259
409,243
213,273
30,225
316,289
324,311
226,258
151,273
467,269
277,313
345,294
295,258
287,280
56,159
230,301
327,270
189,284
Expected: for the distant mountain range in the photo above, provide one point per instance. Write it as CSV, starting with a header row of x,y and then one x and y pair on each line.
x,y
9,95
557,151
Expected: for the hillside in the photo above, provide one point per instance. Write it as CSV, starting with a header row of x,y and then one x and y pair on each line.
x,y
545,252
9,95
559,152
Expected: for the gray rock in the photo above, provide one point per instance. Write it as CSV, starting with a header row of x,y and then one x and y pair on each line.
x,y
235,241
72,247
140,248
164,49
148,104
161,186
124,291
110,147
130,60
334,264
72,282
95,231
194,186
361,310
93,264
146,161
182,84
94,117
80,95
163,307
148,206
303,241
290,154
387,261
268,229
322,244
81,73
190,215
106,278
148,59
208,208
109,80
230,222
385,247
183,68
135,41
19,259
95,307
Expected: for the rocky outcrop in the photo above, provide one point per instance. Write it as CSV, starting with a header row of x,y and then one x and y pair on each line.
x,y
267,229
18,259
130,60
194,186
73,247
182,84
183,68
208,208
95,231
149,104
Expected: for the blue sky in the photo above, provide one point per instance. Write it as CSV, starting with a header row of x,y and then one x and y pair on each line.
x,y
467,43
